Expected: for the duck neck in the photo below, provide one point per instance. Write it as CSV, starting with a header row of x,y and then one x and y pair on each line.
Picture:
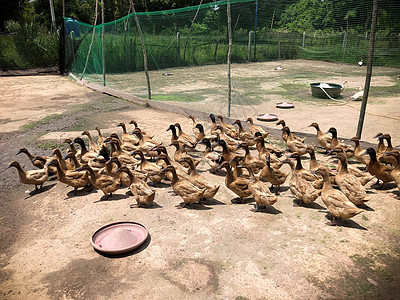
x,y
21,172
389,144
30,156
60,171
229,175
299,166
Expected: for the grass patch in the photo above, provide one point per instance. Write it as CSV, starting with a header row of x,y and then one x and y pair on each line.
x,y
172,97
41,122
50,145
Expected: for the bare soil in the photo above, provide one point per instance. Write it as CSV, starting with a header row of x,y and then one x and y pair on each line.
x,y
216,250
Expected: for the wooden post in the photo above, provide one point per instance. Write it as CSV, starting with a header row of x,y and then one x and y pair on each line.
x,y
53,17
344,46
304,41
146,70
279,46
178,48
102,42
228,10
190,31
369,68
91,44
215,51
249,46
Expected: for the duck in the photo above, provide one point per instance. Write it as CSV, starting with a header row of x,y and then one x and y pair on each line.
x,y
146,145
300,188
85,154
315,180
199,181
238,185
254,128
256,163
64,164
213,125
245,136
259,190
111,170
125,147
375,168
99,162
323,139
144,133
265,150
72,160
34,177
184,188
100,138
395,173
285,134
229,130
126,137
363,177
335,143
294,145
274,176
182,136
180,154
152,170
143,194
338,205
38,161
92,145
194,124
388,159
187,145
380,148
163,157
237,168
359,152
358,96
349,184
107,184
220,135
314,164
72,148
212,158
200,134
227,153
75,178
125,158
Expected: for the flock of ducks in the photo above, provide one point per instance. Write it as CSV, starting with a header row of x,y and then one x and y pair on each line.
x,y
245,158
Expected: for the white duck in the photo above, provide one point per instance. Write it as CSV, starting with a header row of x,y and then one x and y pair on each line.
x,y
359,95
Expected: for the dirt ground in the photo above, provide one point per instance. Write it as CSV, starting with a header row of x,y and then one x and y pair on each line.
x,y
217,250
258,87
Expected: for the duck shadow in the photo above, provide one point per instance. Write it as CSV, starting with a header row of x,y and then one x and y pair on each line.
x,y
267,209
152,205
281,189
313,205
243,201
194,206
212,201
81,192
346,223
365,207
396,193
133,252
42,190
159,184
114,197
384,187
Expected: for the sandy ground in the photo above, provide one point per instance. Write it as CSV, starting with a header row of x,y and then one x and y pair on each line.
x,y
258,87
217,250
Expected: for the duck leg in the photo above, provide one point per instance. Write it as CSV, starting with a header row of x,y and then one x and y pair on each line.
x,y
332,222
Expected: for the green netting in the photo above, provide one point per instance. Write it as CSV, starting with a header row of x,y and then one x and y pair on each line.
x,y
342,36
